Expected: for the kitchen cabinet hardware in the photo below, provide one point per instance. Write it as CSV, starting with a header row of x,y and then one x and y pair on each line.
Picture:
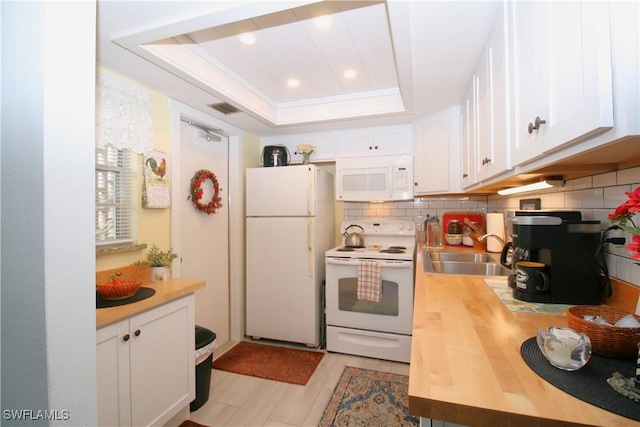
x,y
137,332
486,161
537,124
464,175
126,338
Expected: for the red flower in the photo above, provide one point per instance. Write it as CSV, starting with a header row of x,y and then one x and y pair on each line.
x,y
634,247
625,213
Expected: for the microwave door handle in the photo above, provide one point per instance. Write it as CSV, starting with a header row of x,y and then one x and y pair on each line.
x,y
310,245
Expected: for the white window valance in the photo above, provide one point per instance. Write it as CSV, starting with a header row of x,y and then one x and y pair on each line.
x,y
123,116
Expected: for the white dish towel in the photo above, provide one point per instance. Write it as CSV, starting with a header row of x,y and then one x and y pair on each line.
x,y
369,281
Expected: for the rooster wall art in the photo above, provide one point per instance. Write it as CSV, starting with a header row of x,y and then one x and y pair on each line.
x,y
159,170
155,190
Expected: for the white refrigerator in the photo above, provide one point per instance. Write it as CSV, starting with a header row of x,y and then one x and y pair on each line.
x,y
289,226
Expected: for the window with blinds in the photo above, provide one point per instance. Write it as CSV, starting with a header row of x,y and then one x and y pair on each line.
x,y
114,196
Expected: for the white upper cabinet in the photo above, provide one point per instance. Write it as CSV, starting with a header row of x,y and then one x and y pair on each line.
x,y
376,141
560,66
437,153
323,141
468,136
492,94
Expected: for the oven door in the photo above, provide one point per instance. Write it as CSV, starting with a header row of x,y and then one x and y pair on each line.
x,y
394,312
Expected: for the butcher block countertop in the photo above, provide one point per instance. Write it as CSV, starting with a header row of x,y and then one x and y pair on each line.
x,y
168,291
466,366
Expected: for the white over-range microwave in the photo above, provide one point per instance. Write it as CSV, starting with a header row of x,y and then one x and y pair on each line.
x,y
375,178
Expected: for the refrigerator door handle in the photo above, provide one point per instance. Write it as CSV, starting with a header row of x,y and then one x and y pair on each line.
x,y
310,245
310,191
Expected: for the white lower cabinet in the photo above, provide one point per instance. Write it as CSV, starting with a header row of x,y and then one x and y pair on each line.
x,y
146,366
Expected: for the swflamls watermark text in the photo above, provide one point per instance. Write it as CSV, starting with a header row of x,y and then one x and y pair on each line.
x,y
35,414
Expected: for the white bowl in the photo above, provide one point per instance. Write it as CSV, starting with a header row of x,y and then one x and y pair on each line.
x,y
453,239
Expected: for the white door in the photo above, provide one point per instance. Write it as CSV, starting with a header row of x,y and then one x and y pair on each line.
x,y
204,239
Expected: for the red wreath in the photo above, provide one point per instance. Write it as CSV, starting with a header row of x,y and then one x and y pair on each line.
x,y
196,192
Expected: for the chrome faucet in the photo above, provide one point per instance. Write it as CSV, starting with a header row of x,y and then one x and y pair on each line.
x,y
495,236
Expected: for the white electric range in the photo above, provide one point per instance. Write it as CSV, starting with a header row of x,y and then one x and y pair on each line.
x,y
362,327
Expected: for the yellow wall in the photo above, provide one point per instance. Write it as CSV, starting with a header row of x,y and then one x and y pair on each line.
x,y
154,225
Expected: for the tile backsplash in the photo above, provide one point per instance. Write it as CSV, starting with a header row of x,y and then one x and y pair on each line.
x,y
594,196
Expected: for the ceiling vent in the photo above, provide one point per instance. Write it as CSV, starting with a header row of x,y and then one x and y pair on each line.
x,y
225,108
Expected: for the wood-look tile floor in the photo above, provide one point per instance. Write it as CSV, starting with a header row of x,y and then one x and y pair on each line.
x,y
240,400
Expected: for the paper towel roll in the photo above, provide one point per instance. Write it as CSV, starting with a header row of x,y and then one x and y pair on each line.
x,y
495,225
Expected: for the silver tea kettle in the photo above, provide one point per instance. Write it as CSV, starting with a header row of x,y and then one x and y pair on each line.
x,y
353,240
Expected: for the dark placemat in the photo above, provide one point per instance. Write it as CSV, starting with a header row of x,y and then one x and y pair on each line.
x,y
588,383
143,293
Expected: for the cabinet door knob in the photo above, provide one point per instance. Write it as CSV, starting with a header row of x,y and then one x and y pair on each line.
x,y
415,183
376,147
465,175
370,148
126,338
536,124
137,332
486,161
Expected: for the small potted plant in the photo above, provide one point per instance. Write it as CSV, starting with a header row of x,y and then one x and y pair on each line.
x,y
159,262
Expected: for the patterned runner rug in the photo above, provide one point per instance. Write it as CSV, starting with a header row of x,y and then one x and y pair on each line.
x,y
271,362
369,398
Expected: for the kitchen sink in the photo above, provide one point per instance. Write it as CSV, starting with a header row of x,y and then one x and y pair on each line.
x,y
464,264
462,257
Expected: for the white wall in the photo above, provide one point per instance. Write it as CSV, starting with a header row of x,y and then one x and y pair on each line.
x,y
47,188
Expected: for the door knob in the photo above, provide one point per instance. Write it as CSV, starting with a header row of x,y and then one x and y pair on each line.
x,y
126,338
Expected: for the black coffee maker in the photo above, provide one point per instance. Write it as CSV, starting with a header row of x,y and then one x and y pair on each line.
x,y
566,245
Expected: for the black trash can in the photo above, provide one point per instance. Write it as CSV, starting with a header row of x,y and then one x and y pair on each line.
x,y
204,345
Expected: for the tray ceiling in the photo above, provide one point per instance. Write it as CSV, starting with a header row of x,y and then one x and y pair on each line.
x,y
412,58
288,46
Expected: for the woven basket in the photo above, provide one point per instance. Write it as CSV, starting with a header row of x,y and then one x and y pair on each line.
x,y
606,340
110,291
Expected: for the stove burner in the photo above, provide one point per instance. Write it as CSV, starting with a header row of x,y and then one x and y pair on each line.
x,y
346,249
398,247
392,250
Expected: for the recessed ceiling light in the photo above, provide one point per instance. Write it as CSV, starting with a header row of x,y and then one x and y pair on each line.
x,y
322,22
247,38
293,82
349,74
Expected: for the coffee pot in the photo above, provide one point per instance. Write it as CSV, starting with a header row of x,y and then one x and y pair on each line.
x,y
509,257
562,246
